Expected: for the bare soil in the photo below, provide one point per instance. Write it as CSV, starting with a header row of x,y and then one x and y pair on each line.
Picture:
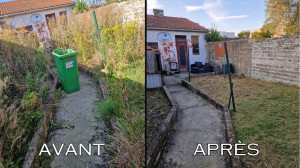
x,y
158,107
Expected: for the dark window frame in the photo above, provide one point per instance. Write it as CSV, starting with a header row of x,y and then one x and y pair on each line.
x,y
50,14
28,28
63,13
196,47
151,44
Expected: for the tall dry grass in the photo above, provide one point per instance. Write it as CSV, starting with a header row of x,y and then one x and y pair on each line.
x,y
122,49
23,86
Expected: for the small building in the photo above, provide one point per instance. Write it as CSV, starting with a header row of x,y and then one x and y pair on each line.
x,y
153,68
176,38
34,15
227,34
95,3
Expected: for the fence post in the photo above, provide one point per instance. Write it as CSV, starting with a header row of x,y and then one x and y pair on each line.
x,y
229,76
98,34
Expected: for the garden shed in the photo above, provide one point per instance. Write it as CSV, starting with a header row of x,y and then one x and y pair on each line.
x,y
153,68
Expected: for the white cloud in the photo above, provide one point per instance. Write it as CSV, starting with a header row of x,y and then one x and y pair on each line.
x,y
230,17
153,4
215,10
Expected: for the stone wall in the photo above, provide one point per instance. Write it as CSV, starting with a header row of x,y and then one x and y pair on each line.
x,y
133,10
275,60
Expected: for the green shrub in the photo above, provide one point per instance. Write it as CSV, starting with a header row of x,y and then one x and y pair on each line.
x,y
213,35
81,6
261,35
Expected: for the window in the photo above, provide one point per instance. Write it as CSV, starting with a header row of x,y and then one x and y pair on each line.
x,y
63,17
195,43
153,45
63,13
28,28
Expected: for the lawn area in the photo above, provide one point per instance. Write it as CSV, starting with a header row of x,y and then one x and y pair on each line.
x,y
267,114
158,107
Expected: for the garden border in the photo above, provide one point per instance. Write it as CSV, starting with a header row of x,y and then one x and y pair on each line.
x,y
229,132
159,141
40,135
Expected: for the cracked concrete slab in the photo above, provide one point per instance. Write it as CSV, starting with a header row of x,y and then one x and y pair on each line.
x,y
78,110
198,122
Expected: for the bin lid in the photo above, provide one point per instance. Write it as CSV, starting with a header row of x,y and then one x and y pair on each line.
x,y
63,52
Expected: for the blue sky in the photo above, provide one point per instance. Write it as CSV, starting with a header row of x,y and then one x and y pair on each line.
x,y
227,15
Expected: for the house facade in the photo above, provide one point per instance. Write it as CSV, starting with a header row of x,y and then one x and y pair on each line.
x,y
176,38
34,15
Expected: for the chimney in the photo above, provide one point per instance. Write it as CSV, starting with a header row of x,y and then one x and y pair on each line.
x,y
158,12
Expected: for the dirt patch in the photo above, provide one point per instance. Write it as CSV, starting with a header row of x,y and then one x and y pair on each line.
x,y
267,114
158,107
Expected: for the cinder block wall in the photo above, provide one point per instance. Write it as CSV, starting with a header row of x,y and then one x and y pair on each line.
x,y
275,60
240,53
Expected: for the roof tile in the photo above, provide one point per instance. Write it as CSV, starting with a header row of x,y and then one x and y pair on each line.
x,y
172,23
16,6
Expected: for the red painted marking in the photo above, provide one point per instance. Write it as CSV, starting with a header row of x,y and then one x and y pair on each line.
x,y
220,50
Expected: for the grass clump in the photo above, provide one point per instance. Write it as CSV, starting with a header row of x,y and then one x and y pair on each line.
x,y
109,108
267,114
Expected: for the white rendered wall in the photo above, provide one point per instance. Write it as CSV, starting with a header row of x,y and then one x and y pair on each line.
x,y
24,19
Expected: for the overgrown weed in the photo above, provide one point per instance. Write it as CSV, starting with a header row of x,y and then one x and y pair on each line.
x,y
120,55
24,78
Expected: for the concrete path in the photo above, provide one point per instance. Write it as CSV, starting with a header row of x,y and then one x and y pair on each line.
x,y
76,115
198,122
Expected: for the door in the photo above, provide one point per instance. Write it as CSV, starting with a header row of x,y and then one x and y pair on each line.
x,y
49,18
181,52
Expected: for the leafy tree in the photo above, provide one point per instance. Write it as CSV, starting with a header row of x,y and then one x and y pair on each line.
x,y
244,34
292,27
213,35
282,16
261,35
81,6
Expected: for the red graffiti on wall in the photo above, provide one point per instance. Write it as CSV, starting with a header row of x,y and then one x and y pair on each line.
x,y
168,53
42,31
189,43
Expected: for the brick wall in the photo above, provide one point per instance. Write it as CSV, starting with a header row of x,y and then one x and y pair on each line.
x,y
275,60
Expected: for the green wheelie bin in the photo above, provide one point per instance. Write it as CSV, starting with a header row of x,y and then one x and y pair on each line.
x,y
67,68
